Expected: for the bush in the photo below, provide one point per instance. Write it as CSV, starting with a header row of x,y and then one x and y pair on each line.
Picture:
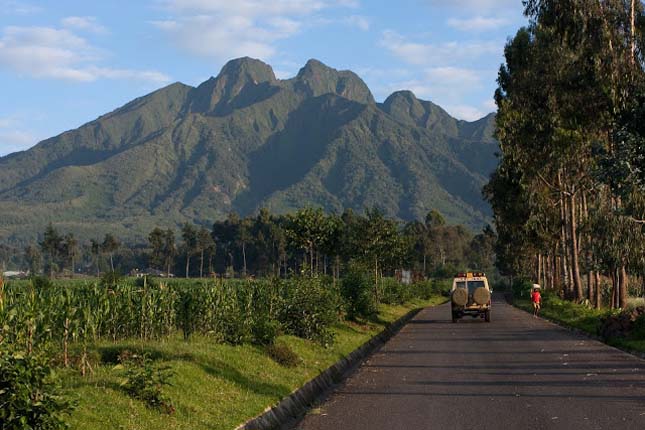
x,y
357,290
265,331
393,292
424,289
29,394
145,382
283,355
110,279
309,309
40,282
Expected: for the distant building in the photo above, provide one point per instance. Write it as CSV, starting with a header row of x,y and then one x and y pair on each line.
x,y
14,274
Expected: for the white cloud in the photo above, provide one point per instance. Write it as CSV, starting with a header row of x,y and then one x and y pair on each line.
x,y
465,112
475,4
44,52
358,21
12,7
490,105
12,136
222,29
248,8
85,23
432,54
477,23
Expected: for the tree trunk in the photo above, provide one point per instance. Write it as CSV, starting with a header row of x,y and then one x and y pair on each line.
x,y
598,301
575,263
633,31
201,264
624,285
111,262
539,268
424,263
187,264
563,240
376,279
244,259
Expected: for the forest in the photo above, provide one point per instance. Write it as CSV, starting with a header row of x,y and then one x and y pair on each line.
x,y
569,193
308,240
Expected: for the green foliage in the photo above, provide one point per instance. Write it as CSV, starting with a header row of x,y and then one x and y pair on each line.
x,y
30,397
40,282
357,289
145,380
283,355
310,307
110,279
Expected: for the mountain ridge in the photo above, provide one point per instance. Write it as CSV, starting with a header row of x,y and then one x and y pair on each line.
x,y
243,140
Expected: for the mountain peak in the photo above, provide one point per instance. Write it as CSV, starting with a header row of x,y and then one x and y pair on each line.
x,y
316,79
247,68
241,82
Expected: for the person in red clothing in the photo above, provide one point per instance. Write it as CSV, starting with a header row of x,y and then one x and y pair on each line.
x,y
536,299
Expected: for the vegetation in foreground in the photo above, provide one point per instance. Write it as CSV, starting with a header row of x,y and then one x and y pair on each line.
x,y
585,317
184,355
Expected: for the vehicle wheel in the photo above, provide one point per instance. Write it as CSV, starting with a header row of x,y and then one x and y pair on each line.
x,y
487,316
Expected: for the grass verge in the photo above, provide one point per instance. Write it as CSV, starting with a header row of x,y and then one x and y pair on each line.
x,y
214,386
579,317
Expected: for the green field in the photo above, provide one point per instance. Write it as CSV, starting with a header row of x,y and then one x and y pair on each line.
x,y
214,337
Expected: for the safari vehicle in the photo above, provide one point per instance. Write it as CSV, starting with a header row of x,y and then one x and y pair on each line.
x,y
470,295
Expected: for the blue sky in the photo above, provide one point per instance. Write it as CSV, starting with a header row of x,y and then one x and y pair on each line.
x,y
64,63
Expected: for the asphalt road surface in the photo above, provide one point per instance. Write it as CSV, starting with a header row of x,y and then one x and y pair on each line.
x,y
516,372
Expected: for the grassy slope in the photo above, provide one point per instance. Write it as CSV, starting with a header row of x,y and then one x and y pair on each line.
x,y
580,317
215,386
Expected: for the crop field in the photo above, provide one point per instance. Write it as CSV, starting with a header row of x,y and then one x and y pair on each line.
x,y
144,354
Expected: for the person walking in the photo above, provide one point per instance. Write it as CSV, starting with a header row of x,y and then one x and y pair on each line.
x,y
536,299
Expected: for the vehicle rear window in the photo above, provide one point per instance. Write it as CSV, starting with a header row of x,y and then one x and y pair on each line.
x,y
461,284
473,285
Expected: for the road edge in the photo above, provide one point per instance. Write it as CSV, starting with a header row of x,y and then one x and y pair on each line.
x,y
299,401
575,330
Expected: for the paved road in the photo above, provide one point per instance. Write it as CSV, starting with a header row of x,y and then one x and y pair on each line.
x,y
515,373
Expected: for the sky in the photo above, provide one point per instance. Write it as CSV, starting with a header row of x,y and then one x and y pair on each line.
x,y
64,63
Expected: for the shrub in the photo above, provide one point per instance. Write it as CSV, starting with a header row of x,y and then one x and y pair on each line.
x,y
357,290
145,381
283,355
309,309
29,394
425,289
110,279
40,282
265,331
394,292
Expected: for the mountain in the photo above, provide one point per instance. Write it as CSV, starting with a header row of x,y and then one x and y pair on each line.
x,y
245,140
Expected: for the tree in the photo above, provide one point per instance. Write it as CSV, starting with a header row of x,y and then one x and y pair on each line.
x,y
70,247
205,244
378,241
95,249
189,235
51,246
163,248
307,230
33,259
109,245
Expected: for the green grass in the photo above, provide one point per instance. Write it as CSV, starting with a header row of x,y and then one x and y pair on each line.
x,y
215,386
580,317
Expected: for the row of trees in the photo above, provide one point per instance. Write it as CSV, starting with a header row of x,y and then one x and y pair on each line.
x,y
569,193
276,245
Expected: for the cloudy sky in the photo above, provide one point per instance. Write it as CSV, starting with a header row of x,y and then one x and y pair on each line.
x,y
64,62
